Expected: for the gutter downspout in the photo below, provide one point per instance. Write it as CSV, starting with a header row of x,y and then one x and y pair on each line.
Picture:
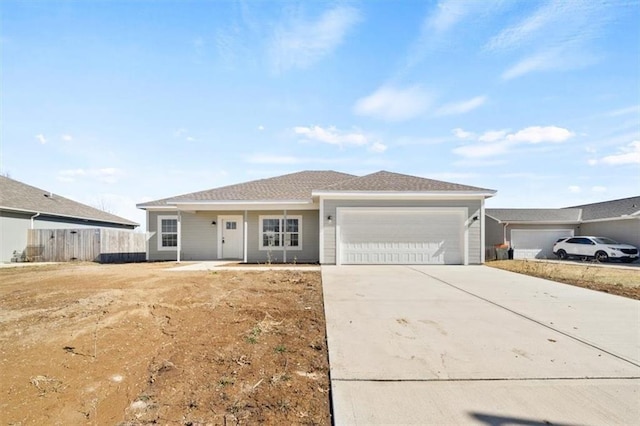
x,y
33,217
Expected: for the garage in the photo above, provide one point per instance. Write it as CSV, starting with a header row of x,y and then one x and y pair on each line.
x,y
401,236
536,243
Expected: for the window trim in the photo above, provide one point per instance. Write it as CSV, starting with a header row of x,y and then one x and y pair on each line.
x,y
159,232
283,232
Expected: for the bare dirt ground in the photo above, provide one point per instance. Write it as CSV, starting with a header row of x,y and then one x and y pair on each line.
x,y
622,282
137,344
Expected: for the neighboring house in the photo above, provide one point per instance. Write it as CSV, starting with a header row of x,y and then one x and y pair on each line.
x,y
532,232
323,216
24,207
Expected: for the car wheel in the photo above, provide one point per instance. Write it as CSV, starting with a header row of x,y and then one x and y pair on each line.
x,y
602,256
562,255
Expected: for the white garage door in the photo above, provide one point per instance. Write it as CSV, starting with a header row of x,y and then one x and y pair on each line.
x,y
401,236
536,243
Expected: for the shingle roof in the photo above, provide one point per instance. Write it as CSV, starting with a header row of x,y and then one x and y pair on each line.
x,y
290,187
534,215
610,209
16,195
387,181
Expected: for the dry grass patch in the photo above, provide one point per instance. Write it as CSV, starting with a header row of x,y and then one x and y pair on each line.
x,y
622,282
136,344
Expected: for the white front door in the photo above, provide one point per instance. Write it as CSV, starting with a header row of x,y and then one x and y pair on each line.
x,y
230,237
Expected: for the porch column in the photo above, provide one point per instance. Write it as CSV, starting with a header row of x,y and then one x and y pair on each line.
x,y
245,237
179,236
284,239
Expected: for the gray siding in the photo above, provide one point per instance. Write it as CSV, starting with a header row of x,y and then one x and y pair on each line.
x,y
625,231
310,244
494,232
152,243
330,207
200,238
13,234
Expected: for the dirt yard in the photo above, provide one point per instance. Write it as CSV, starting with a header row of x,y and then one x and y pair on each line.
x,y
138,344
622,282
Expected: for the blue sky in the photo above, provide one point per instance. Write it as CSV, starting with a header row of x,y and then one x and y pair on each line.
x,y
114,103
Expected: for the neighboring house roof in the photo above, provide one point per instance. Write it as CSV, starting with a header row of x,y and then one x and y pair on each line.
x,y
534,215
610,209
290,187
384,181
18,196
302,186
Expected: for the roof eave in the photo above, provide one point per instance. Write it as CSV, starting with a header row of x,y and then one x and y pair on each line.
x,y
404,194
609,219
44,213
538,222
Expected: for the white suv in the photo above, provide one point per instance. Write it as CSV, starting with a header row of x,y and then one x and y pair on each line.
x,y
600,248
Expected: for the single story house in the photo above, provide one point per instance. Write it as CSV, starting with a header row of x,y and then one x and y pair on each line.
x,y
532,232
323,216
24,207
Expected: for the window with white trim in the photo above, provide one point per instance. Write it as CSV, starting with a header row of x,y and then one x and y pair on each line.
x,y
167,232
276,232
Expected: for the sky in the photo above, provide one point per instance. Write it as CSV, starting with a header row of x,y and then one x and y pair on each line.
x,y
114,103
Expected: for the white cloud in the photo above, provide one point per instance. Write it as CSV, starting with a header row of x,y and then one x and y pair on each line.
x,y
492,135
393,104
556,59
537,134
555,37
496,142
261,127
461,107
104,175
599,188
629,154
441,21
448,14
66,138
300,43
574,189
378,147
635,109
462,134
332,135
40,137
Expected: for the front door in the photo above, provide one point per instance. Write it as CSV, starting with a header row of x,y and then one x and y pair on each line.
x,y
231,237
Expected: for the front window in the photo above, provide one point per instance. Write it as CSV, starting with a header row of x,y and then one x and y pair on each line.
x,y
167,232
276,232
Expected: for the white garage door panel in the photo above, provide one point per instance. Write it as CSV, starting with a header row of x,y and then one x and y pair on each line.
x,y
536,243
401,237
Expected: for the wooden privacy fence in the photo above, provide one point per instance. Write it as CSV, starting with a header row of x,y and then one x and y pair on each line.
x,y
93,244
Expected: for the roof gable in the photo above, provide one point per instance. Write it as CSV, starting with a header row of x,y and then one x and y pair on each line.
x,y
610,209
15,195
384,181
290,187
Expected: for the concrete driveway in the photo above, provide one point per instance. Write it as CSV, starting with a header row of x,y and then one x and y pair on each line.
x,y
473,344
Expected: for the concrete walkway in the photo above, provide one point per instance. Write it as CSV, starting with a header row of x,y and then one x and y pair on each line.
x,y
225,265
477,345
